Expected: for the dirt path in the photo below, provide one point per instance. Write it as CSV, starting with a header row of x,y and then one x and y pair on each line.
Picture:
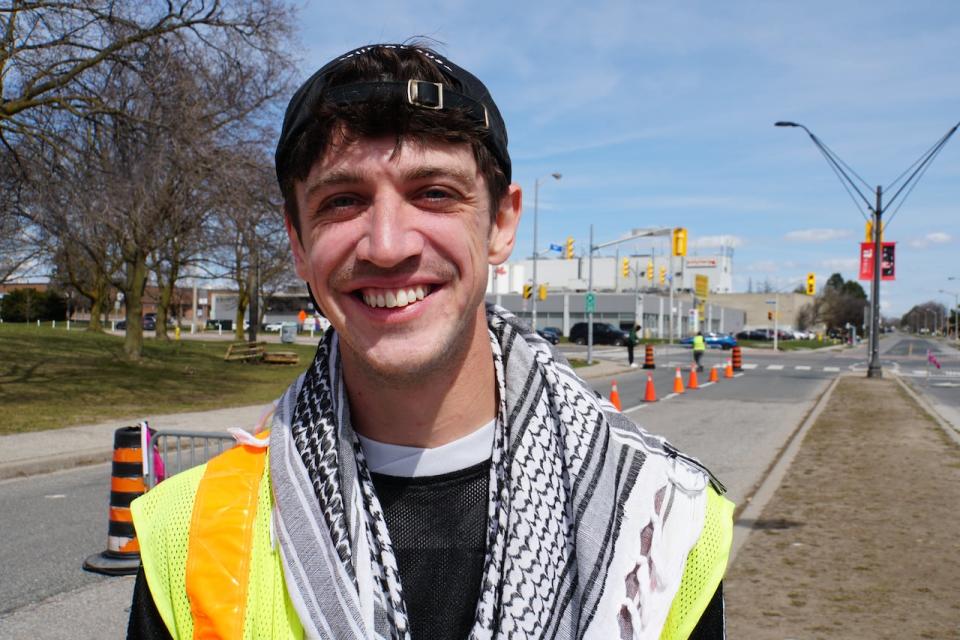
x,y
862,539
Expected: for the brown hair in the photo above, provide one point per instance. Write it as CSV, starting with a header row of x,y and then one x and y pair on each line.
x,y
334,124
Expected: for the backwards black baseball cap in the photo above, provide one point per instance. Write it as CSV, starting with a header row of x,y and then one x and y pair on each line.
x,y
465,93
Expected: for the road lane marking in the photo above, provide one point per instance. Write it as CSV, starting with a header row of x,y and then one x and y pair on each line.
x,y
832,369
774,367
749,366
639,406
802,367
737,375
706,384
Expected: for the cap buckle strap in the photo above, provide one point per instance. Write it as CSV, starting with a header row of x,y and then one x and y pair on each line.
x,y
428,95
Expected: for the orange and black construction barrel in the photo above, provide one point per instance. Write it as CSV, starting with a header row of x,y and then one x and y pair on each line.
x,y
122,556
648,358
737,359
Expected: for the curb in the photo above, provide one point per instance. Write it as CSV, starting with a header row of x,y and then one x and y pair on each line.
x,y
38,466
755,501
928,407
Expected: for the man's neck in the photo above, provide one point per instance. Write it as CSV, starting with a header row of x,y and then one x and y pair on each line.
x,y
431,410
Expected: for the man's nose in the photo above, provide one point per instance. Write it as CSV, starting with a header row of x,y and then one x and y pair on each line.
x,y
391,235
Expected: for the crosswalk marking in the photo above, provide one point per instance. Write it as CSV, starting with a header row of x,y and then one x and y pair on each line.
x,y
832,369
749,366
774,367
801,367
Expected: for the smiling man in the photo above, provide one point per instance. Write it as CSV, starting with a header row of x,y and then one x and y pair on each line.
x,y
439,471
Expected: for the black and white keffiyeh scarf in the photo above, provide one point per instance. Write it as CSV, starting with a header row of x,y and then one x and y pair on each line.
x,y
590,517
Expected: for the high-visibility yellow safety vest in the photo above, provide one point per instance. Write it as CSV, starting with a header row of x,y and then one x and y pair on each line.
x,y
213,573
699,344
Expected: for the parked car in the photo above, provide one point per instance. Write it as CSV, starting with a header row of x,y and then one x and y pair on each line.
x,y
149,323
755,334
714,341
603,333
549,334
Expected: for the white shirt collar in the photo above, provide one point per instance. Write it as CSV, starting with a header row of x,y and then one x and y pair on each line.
x,y
411,462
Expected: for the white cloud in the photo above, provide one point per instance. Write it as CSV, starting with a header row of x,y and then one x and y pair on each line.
x,y
840,264
937,237
705,242
817,235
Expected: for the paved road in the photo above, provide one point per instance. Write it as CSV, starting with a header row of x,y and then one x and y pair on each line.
x,y
48,525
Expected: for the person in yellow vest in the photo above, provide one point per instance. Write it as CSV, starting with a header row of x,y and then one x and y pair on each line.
x,y
439,471
699,346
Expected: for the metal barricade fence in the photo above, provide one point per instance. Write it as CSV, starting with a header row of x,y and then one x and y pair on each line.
x,y
181,450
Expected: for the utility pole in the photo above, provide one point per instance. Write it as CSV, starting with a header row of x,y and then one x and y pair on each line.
x,y
874,370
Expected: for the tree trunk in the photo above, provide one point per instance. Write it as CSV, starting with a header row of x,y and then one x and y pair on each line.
x,y
136,280
243,299
163,303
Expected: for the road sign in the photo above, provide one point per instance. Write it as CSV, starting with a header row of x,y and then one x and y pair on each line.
x,y
591,302
701,286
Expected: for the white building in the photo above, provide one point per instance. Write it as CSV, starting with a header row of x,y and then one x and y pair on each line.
x,y
573,275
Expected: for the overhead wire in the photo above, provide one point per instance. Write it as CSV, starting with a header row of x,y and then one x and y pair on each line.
x,y
844,179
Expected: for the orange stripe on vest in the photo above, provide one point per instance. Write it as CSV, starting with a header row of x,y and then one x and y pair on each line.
x,y
221,539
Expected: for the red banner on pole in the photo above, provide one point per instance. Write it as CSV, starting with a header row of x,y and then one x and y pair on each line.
x,y
887,261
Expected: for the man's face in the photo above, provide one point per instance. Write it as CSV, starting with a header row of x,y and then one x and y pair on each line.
x,y
395,245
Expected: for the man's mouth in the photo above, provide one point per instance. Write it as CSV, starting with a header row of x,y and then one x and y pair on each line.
x,y
393,298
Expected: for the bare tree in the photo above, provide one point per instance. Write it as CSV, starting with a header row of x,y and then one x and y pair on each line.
x,y
247,238
57,57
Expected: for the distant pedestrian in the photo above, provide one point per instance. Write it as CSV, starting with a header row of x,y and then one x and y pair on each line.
x,y
632,341
699,346
301,318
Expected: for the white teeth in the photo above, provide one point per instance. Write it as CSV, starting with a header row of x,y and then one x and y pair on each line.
x,y
395,299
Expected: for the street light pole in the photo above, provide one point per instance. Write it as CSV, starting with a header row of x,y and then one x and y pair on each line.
x,y
874,370
536,206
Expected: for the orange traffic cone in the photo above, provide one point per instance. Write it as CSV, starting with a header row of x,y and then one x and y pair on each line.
x,y
615,396
693,378
728,372
650,395
678,382
713,374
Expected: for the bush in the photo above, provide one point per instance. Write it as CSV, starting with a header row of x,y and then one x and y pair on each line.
x,y
29,305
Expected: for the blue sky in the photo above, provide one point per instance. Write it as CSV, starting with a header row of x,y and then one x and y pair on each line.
x,y
661,114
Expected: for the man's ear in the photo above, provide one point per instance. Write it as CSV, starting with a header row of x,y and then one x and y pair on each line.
x,y
300,260
503,231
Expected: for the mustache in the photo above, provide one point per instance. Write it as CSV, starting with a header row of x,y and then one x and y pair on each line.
x,y
414,265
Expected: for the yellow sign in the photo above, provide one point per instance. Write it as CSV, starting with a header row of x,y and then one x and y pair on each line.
x,y
868,232
701,286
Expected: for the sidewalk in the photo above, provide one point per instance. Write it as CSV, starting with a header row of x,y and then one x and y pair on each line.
x,y
25,454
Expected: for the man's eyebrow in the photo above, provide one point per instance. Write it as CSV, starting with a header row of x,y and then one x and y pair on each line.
x,y
424,172
334,178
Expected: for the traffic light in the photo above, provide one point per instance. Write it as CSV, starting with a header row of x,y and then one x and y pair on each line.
x,y
626,267
527,291
542,292
769,315
868,232
650,271
811,284
569,252
679,241
663,275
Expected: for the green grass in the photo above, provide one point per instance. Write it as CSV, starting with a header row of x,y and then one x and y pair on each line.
x,y
51,378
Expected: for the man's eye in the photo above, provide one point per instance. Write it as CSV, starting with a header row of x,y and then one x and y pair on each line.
x,y
436,194
339,202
